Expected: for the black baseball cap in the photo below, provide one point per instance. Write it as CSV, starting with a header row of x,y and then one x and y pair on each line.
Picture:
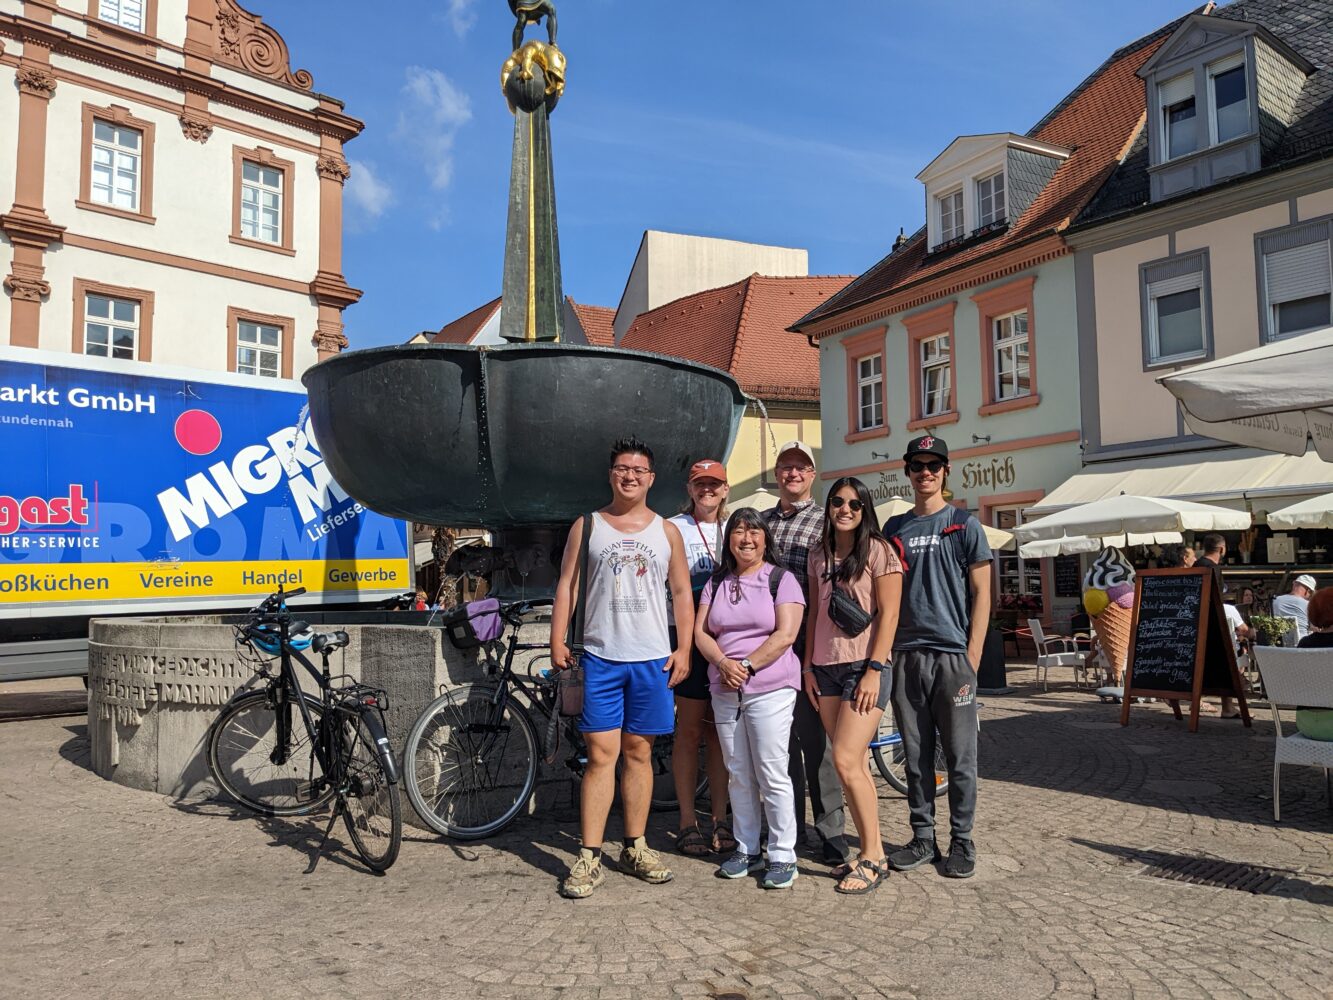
x,y
927,444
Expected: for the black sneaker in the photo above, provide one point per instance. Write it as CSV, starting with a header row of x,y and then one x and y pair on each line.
x,y
919,852
962,860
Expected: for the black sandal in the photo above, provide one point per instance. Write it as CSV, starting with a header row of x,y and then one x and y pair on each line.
x,y
691,843
878,873
724,841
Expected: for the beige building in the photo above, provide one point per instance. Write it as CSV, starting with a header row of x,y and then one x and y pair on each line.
x,y
176,187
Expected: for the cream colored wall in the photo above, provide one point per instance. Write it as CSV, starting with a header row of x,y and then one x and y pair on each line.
x,y
190,310
754,451
171,19
1314,205
1133,407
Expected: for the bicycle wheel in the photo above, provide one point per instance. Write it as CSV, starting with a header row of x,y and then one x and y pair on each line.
x,y
242,744
470,766
891,761
372,811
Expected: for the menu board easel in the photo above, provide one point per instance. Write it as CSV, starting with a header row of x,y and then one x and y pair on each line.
x,y
1180,643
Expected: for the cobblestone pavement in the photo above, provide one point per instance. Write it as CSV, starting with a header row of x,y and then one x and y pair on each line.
x,y
111,892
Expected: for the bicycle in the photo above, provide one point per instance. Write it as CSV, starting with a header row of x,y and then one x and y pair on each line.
x,y
471,756
272,765
891,760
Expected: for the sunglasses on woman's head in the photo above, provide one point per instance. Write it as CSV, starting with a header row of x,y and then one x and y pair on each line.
x,y
931,467
837,502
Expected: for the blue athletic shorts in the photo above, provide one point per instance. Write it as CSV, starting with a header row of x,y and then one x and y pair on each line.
x,y
629,696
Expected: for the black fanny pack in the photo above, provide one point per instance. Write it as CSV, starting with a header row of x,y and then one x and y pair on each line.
x,y
846,613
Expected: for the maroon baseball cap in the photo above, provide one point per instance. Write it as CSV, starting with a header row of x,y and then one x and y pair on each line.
x,y
708,468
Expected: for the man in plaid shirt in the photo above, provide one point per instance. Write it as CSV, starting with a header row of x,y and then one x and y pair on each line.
x,y
797,523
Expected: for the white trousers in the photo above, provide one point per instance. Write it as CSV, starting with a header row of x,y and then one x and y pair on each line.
x,y
754,748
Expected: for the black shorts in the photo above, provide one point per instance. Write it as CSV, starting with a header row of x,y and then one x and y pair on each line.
x,y
695,685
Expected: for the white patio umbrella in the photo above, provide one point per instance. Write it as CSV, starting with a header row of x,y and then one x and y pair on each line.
x,y
1133,515
1316,512
1068,545
996,538
1272,397
759,500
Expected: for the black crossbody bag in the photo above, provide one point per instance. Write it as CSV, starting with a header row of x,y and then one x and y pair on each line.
x,y
846,612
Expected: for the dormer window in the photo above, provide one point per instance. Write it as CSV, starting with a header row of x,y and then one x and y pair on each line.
x,y
1231,106
126,13
990,199
1177,99
951,216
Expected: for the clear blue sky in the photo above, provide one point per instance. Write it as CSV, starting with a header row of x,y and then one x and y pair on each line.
x,y
802,124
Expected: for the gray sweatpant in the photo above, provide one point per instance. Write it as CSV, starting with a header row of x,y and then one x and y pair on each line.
x,y
937,691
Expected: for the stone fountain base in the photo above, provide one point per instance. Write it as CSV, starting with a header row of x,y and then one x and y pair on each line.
x,y
155,685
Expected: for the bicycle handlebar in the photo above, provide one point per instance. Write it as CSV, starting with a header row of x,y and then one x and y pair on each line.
x,y
276,601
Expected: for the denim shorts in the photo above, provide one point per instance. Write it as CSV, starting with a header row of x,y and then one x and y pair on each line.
x,y
839,680
629,696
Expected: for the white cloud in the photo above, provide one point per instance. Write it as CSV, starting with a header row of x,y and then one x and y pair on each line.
x,y
461,15
435,110
368,195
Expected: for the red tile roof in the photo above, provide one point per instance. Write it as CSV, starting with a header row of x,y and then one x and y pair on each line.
x,y
1098,121
596,322
463,329
741,328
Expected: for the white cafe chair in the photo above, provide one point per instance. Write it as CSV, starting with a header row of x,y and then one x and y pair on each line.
x,y
1056,651
1295,677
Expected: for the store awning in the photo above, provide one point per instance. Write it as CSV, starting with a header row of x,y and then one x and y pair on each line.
x,y
1229,477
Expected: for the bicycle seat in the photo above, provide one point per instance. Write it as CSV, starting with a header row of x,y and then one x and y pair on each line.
x,y
329,641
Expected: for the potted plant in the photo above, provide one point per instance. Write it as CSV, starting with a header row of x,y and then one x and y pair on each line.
x,y
1269,630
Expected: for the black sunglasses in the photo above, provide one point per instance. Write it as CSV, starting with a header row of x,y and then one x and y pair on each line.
x,y
837,502
918,467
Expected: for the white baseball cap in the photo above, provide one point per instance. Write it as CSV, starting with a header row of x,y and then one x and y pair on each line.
x,y
800,446
1306,581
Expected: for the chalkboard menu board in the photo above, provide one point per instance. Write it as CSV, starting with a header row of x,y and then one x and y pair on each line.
x,y
1166,632
1180,644
1068,579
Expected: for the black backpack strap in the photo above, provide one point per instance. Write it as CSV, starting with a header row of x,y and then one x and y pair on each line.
x,y
958,526
576,620
774,581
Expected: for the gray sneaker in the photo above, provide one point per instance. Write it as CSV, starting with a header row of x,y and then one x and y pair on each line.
x,y
739,865
780,875
585,875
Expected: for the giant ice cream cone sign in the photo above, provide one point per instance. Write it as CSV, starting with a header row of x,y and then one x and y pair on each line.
x,y
1108,596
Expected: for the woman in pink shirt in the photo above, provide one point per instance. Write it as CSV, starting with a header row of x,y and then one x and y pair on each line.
x,y
749,614
846,673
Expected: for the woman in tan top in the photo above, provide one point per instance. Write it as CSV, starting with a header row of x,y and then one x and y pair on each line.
x,y
846,670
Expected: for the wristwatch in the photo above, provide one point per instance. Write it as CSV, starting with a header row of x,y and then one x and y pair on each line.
x,y
875,665
749,667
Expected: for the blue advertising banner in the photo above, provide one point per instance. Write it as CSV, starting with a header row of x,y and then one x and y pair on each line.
x,y
198,489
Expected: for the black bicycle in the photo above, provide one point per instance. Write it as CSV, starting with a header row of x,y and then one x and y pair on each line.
x,y
471,757
281,751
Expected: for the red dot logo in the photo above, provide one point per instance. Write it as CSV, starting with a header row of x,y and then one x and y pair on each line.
x,y
198,432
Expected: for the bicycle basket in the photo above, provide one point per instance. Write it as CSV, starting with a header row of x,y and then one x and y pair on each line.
x,y
474,623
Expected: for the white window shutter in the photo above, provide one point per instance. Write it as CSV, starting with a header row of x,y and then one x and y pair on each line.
x,y
1173,91
1298,272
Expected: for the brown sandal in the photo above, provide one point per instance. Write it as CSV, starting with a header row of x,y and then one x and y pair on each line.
x,y
724,842
691,842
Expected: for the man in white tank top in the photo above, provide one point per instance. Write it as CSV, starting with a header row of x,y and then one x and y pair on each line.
x,y
629,667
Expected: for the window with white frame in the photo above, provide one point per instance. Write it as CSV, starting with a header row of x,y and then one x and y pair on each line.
x,y
126,13
951,216
258,349
110,326
1297,280
935,375
870,392
1175,309
1229,97
990,199
116,161
261,202
1013,369
1179,127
